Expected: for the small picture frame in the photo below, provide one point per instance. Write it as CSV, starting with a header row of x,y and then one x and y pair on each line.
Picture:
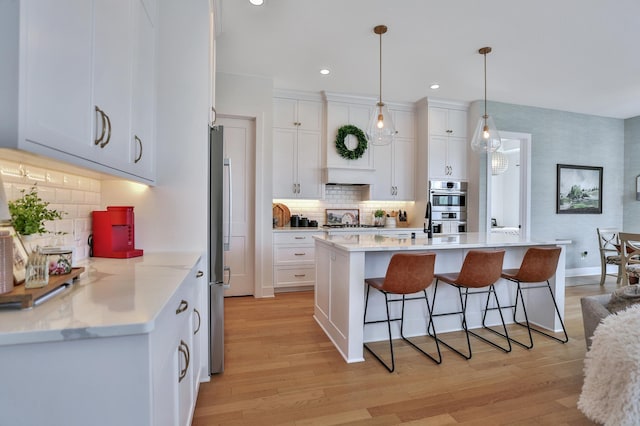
x,y
20,256
342,216
579,189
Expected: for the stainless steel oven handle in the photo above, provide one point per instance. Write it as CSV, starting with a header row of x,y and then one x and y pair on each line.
x,y
443,192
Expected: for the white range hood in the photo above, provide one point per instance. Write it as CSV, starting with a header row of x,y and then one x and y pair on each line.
x,y
348,176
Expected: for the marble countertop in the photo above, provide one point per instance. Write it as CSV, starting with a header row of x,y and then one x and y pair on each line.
x,y
469,240
112,297
298,229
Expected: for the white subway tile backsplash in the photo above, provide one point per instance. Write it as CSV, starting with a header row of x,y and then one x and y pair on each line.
x,y
77,196
63,195
343,197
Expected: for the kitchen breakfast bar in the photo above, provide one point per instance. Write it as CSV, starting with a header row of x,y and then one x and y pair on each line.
x,y
344,261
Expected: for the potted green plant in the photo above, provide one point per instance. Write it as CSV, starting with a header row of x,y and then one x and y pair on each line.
x,y
378,218
29,213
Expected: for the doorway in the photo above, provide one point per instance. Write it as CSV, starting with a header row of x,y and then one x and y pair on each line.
x,y
240,147
509,186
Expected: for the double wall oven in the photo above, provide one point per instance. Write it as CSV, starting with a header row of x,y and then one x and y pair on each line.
x,y
449,206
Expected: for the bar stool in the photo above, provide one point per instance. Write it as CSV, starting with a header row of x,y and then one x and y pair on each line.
x,y
407,273
480,269
538,265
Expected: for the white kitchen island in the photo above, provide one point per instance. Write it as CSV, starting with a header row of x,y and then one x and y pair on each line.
x,y
344,261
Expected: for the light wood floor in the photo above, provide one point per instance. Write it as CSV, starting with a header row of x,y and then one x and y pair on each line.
x,y
281,369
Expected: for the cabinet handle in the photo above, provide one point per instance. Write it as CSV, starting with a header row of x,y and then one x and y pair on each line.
x,y
182,307
104,126
294,188
213,116
300,254
199,274
199,321
298,186
183,348
103,144
300,275
300,238
137,139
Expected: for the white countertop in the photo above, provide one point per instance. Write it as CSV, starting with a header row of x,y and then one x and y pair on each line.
x,y
298,229
113,297
469,240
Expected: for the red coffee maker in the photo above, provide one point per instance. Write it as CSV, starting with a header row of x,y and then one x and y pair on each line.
x,y
114,233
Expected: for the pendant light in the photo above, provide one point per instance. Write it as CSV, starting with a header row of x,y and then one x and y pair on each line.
x,y
499,163
486,137
381,129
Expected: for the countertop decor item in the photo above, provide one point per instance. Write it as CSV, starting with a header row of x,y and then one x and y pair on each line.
x,y
342,148
29,212
23,298
343,216
282,214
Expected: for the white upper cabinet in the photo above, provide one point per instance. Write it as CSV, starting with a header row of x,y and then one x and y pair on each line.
x,y
447,122
395,163
112,80
297,144
55,84
141,147
82,97
447,143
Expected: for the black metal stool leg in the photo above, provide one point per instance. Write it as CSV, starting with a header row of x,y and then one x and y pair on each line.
x,y
388,321
489,292
439,359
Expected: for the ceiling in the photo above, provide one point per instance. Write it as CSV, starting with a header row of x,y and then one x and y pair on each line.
x,y
572,55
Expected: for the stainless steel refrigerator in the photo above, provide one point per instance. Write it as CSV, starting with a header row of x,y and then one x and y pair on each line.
x,y
219,242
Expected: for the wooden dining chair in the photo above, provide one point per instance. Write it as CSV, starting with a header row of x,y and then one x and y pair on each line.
x,y
608,243
629,254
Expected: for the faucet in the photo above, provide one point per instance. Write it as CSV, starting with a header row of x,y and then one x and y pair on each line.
x,y
427,227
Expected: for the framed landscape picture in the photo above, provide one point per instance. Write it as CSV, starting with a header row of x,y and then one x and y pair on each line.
x,y
579,189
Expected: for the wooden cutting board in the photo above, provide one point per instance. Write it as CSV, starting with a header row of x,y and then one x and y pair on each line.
x,y
282,213
27,296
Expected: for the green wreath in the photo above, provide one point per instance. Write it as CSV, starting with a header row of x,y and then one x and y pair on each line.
x,y
342,149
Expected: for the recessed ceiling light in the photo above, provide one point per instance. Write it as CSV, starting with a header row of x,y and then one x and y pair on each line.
x,y
325,71
256,2
434,86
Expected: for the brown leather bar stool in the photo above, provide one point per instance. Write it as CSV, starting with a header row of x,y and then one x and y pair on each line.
x,y
538,265
480,269
407,273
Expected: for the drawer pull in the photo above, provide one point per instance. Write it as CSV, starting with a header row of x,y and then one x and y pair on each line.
x,y
183,348
300,275
183,307
199,321
199,274
300,238
300,254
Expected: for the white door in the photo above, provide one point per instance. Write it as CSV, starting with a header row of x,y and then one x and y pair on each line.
x,y
508,193
239,147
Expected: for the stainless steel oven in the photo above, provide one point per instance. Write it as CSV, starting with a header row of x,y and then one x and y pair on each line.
x,y
449,206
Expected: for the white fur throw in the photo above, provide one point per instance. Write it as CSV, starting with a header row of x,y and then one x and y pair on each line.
x,y
611,390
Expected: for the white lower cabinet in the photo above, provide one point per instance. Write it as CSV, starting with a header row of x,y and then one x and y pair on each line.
x,y
294,259
145,379
175,356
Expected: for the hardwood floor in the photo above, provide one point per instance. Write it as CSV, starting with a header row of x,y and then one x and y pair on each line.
x,y
281,369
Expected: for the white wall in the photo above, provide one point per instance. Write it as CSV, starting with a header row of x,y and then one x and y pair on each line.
x,y
172,216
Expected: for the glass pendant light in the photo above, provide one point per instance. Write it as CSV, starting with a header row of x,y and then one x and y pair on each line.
x,y
486,137
381,129
499,163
